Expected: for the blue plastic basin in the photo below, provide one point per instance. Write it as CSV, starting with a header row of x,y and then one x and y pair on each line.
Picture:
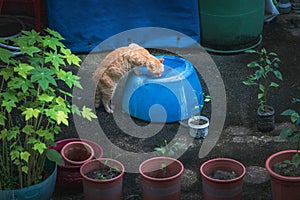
x,y
169,98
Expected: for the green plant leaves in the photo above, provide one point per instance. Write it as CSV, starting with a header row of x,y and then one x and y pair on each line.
x,y
33,106
5,55
30,112
61,117
278,74
43,76
53,155
71,58
87,113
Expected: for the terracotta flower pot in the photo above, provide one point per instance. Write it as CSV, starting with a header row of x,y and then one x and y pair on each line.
x,y
283,187
161,183
77,153
68,177
107,189
215,189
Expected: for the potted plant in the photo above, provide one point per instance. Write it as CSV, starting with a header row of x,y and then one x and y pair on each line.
x,y
284,166
222,178
266,66
32,110
102,179
161,176
198,124
68,176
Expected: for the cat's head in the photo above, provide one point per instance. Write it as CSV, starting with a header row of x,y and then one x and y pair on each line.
x,y
155,66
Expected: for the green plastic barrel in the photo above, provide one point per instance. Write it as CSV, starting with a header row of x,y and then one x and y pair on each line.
x,y
229,26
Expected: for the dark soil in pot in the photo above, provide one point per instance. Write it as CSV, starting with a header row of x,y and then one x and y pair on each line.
x,y
287,169
199,122
223,175
103,174
162,173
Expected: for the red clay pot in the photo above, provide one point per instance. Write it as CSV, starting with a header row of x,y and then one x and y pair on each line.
x,y
68,177
164,188
283,187
214,189
77,153
109,189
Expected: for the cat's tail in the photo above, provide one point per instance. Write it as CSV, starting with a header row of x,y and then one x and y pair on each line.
x,y
97,97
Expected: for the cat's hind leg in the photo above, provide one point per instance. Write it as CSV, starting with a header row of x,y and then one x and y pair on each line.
x,y
106,104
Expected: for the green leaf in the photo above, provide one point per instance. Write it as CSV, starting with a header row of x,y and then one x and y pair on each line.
x,y
75,110
54,58
54,33
294,117
60,101
40,147
14,154
171,153
46,98
272,54
262,88
6,73
253,64
53,155
273,84
61,117
71,58
68,78
20,83
295,137
285,133
259,74
288,112
29,50
8,105
296,159
249,82
30,112
23,70
28,129
5,55
2,119
87,113
260,95
43,76
161,149
25,156
25,169
278,74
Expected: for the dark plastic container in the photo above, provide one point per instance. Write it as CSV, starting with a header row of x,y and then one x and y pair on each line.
x,y
231,26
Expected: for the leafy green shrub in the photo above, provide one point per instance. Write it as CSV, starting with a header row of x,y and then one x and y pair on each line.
x,y
33,107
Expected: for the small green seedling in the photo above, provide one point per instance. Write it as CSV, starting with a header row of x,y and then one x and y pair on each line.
x,y
168,151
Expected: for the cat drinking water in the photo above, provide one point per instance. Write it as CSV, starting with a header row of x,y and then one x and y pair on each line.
x,y
116,64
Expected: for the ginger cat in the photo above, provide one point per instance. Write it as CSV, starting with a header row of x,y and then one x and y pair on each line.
x,y
118,63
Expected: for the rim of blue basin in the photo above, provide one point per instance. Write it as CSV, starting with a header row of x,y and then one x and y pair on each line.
x,y
181,83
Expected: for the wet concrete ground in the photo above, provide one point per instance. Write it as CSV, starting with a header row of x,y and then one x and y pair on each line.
x,y
239,139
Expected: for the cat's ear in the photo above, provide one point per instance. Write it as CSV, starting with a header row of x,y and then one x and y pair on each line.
x,y
161,60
